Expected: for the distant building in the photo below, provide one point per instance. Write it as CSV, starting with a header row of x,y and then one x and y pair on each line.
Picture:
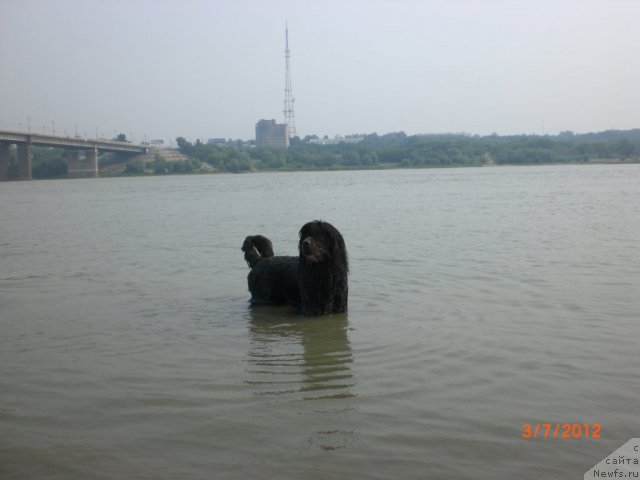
x,y
336,140
272,134
216,141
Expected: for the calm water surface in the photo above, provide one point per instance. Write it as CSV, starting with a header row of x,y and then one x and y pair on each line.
x,y
481,299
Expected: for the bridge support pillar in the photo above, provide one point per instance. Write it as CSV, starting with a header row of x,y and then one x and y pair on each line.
x,y
4,162
73,160
78,167
24,161
92,157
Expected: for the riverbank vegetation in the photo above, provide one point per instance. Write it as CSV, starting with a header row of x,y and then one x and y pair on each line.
x,y
392,150
397,150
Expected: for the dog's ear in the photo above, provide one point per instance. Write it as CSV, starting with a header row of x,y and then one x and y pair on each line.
x,y
306,231
336,242
339,250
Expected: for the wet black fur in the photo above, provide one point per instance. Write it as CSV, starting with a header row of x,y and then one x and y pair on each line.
x,y
272,280
323,269
315,280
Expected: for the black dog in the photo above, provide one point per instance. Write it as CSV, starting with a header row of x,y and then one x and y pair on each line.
x,y
315,281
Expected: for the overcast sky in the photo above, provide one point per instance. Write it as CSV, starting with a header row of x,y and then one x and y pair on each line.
x,y
203,69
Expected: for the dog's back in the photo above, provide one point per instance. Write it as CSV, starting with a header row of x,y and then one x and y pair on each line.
x,y
272,280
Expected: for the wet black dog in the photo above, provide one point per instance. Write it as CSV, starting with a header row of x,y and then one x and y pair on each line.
x,y
315,280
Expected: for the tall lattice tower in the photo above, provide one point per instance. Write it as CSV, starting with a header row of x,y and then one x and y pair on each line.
x,y
289,115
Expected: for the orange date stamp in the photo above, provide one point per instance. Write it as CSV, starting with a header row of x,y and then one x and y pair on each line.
x,y
573,431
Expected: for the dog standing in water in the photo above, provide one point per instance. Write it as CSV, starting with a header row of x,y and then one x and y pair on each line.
x,y
316,280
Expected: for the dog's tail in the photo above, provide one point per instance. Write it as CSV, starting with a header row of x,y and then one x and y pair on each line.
x,y
255,248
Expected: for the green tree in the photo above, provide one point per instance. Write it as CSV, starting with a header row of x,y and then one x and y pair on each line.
x,y
185,146
135,166
159,165
48,163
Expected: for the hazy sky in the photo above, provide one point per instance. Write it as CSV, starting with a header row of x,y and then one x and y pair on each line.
x,y
203,69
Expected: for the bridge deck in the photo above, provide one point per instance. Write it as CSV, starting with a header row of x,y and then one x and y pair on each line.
x,y
41,140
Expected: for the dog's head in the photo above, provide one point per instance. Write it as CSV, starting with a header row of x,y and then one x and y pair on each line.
x,y
321,242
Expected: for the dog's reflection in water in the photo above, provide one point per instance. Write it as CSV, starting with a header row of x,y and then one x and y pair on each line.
x,y
299,355
304,365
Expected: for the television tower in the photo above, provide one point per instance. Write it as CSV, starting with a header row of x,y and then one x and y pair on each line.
x,y
289,115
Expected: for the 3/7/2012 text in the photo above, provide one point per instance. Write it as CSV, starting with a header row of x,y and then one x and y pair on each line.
x,y
561,430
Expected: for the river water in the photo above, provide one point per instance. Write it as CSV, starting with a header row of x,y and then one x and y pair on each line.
x,y
480,299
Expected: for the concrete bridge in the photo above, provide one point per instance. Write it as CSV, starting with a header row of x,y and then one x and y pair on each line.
x,y
73,147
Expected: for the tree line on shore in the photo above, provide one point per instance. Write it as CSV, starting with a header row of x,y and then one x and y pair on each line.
x,y
398,150
392,150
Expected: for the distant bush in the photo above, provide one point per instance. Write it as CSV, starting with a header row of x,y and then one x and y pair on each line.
x,y
135,166
48,163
